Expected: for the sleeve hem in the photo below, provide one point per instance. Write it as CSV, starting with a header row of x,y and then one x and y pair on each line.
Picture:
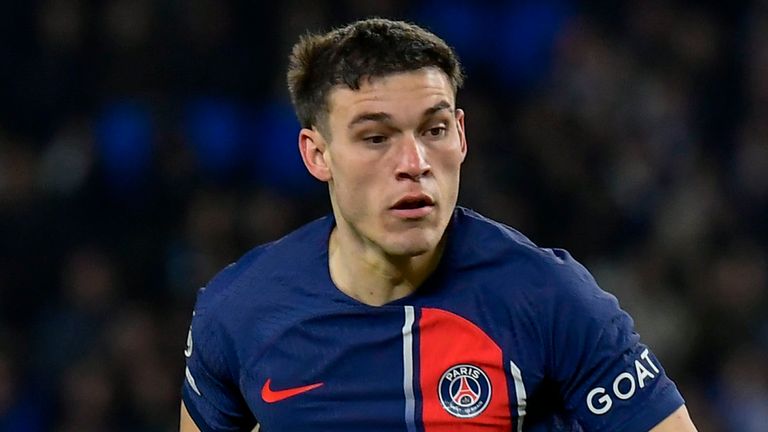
x,y
654,411
193,412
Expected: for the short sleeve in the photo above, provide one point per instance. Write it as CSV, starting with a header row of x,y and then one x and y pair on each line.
x,y
210,391
607,378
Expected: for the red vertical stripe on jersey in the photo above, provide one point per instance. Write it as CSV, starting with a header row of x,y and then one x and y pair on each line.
x,y
447,340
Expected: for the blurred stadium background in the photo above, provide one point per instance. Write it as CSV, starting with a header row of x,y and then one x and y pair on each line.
x,y
145,144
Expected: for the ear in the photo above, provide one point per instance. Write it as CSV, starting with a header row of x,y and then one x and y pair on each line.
x,y
312,147
462,136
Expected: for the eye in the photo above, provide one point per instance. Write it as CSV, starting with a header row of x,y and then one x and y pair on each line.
x,y
375,139
436,132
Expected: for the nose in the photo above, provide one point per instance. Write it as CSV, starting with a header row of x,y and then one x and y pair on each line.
x,y
412,163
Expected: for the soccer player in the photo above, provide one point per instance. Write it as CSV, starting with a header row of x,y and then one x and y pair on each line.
x,y
401,311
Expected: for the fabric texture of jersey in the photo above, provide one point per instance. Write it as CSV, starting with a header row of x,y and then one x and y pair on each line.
x,y
503,336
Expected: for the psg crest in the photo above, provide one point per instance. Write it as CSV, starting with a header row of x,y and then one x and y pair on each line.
x,y
464,390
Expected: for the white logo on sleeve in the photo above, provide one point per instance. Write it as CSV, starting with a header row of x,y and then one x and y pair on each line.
x,y
188,354
599,400
188,349
191,381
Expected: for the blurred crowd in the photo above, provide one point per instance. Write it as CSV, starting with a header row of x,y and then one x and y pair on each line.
x,y
145,144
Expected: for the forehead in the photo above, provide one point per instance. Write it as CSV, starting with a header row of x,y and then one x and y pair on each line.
x,y
399,94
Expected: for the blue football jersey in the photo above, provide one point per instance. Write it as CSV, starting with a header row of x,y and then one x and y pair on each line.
x,y
503,336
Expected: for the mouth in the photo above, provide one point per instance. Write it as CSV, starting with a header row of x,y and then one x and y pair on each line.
x,y
413,206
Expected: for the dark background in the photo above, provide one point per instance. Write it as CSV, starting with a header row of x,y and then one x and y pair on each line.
x,y
146,144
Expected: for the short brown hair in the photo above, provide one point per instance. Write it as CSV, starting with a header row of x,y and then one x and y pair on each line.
x,y
365,49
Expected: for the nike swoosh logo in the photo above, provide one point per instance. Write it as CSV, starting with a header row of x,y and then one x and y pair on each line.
x,y
272,396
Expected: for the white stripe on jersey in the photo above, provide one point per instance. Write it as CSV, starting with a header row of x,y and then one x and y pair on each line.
x,y
517,376
410,401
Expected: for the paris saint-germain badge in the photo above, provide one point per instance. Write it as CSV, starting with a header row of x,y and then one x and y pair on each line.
x,y
464,390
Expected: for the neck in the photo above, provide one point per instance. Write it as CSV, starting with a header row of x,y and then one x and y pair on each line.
x,y
367,274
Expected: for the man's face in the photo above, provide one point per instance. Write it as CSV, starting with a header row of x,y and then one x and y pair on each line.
x,y
394,159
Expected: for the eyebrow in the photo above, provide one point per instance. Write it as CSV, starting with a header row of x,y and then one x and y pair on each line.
x,y
385,117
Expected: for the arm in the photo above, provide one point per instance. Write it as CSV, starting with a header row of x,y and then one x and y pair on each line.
x,y
210,400
678,421
608,378
186,424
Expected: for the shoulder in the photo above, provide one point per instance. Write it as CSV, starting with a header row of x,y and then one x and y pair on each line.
x,y
493,245
523,275
257,275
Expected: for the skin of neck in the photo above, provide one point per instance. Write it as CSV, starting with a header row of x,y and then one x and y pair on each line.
x,y
363,271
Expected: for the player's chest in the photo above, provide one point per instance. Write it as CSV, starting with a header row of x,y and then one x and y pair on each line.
x,y
399,369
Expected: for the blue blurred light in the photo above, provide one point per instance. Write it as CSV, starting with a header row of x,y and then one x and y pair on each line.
x,y
124,133
515,39
274,151
214,129
526,36
460,23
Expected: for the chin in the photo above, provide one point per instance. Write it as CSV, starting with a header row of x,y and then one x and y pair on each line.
x,y
408,252
410,247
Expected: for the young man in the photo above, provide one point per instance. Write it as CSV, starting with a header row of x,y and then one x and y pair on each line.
x,y
401,311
